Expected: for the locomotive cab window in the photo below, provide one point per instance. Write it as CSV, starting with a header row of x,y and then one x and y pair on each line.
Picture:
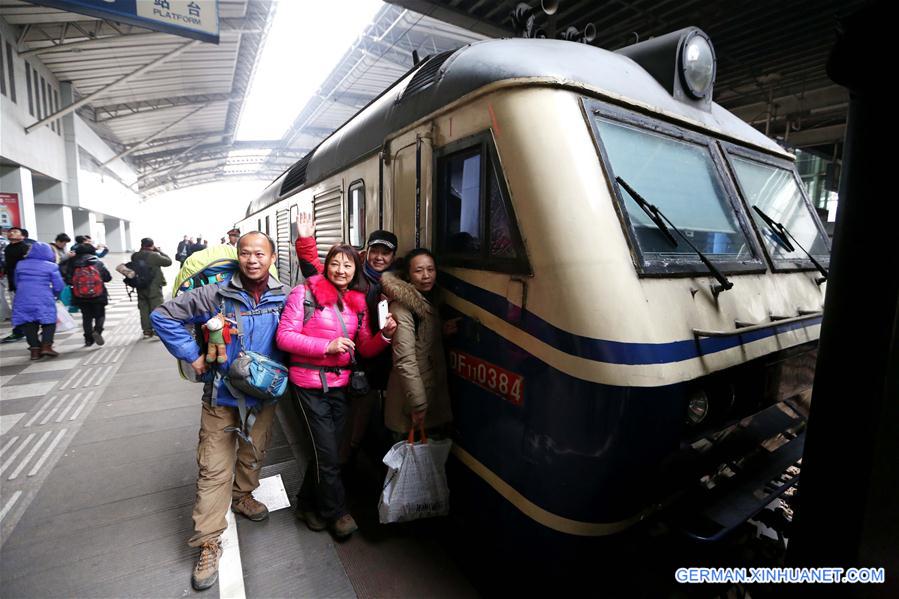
x,y
679,173
356,214
773,189
475,224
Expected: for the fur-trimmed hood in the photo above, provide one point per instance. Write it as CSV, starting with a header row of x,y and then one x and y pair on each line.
x,y
396,289
326,294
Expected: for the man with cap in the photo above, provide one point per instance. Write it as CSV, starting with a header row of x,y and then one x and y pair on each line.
x,y
378,258
233,236
150,259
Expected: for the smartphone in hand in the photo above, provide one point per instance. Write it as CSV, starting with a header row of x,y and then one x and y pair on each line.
x,y
382,313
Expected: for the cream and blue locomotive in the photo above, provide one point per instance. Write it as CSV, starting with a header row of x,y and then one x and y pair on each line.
x,y
640,275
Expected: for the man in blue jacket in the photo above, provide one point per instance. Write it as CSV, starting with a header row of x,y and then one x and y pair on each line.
x,y
260,298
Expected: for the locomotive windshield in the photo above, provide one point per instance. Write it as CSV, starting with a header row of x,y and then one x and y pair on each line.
x,y
776,192
681,178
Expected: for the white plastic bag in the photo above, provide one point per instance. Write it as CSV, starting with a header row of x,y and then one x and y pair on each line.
x,y
64,320
415,486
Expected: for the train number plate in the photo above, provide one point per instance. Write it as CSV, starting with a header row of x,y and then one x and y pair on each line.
x,y
493,378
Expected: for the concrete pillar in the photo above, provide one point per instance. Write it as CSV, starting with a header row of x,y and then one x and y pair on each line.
x,y
99,234
66,97
53,219
129,240
81,222
18,180
115,235
92,228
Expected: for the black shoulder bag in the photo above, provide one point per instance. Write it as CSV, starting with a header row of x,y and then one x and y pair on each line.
x,y
358,385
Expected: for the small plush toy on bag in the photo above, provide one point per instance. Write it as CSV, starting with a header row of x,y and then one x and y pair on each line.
x,y
217,335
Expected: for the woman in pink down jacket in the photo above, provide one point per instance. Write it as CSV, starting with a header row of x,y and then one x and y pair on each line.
x,y
320,357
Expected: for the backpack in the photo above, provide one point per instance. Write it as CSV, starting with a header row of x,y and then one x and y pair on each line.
x,y
142,275
87,282
212,265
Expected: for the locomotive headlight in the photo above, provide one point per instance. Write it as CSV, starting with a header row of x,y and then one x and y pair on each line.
x,y
697,64
697,407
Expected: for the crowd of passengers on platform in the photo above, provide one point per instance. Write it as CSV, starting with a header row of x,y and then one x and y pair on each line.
x,y
326,330
37,274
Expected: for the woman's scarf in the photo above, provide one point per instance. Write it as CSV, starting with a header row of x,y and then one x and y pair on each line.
x,y
370,273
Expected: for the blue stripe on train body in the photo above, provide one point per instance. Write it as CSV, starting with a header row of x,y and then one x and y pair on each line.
x,y
581,450
587,451
602,350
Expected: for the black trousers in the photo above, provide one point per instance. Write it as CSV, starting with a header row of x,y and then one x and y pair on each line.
x,y
325,415
92,318
47,332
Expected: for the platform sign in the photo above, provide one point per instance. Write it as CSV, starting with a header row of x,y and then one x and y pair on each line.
x,y
196,19
9,210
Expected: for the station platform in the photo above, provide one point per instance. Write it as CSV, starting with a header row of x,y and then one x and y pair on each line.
x,y
97,482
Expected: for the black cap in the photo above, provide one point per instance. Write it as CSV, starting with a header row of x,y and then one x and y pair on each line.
x,y
385,238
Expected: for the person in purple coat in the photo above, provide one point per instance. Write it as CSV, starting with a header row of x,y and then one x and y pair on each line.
x,y
38,284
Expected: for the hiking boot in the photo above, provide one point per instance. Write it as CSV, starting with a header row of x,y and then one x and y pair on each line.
x,y
312,519
47,350
206,572
11,338
249,507
98,338
35,353
344,526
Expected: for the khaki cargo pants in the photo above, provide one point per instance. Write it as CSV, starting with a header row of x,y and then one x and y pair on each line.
x,y
229,468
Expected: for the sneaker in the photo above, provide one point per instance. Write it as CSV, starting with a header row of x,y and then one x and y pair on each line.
x,y
249,507
147,335
206,572
312,519
12,338
344,526
98,338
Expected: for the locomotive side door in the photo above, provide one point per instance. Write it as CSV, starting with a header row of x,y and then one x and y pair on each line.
x,y
410,168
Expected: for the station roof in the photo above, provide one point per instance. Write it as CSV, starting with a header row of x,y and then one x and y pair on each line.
x,y
190,97
771,54
175,122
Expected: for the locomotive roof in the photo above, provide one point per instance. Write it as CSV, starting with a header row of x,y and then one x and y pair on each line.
x,y
445,78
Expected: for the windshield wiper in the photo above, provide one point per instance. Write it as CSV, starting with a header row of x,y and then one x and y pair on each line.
x,y
659,220
782,234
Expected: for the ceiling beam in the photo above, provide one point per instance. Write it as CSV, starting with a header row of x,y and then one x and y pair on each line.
x,y
85,100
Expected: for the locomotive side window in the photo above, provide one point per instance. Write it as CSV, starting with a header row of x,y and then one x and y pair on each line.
x,y
356,214
775,191
460,199
475,223
683,175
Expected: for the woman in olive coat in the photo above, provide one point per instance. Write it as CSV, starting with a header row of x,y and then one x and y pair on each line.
x,y
417,392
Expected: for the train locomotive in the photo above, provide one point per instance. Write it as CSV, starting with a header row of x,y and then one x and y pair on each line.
x,y
640,275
